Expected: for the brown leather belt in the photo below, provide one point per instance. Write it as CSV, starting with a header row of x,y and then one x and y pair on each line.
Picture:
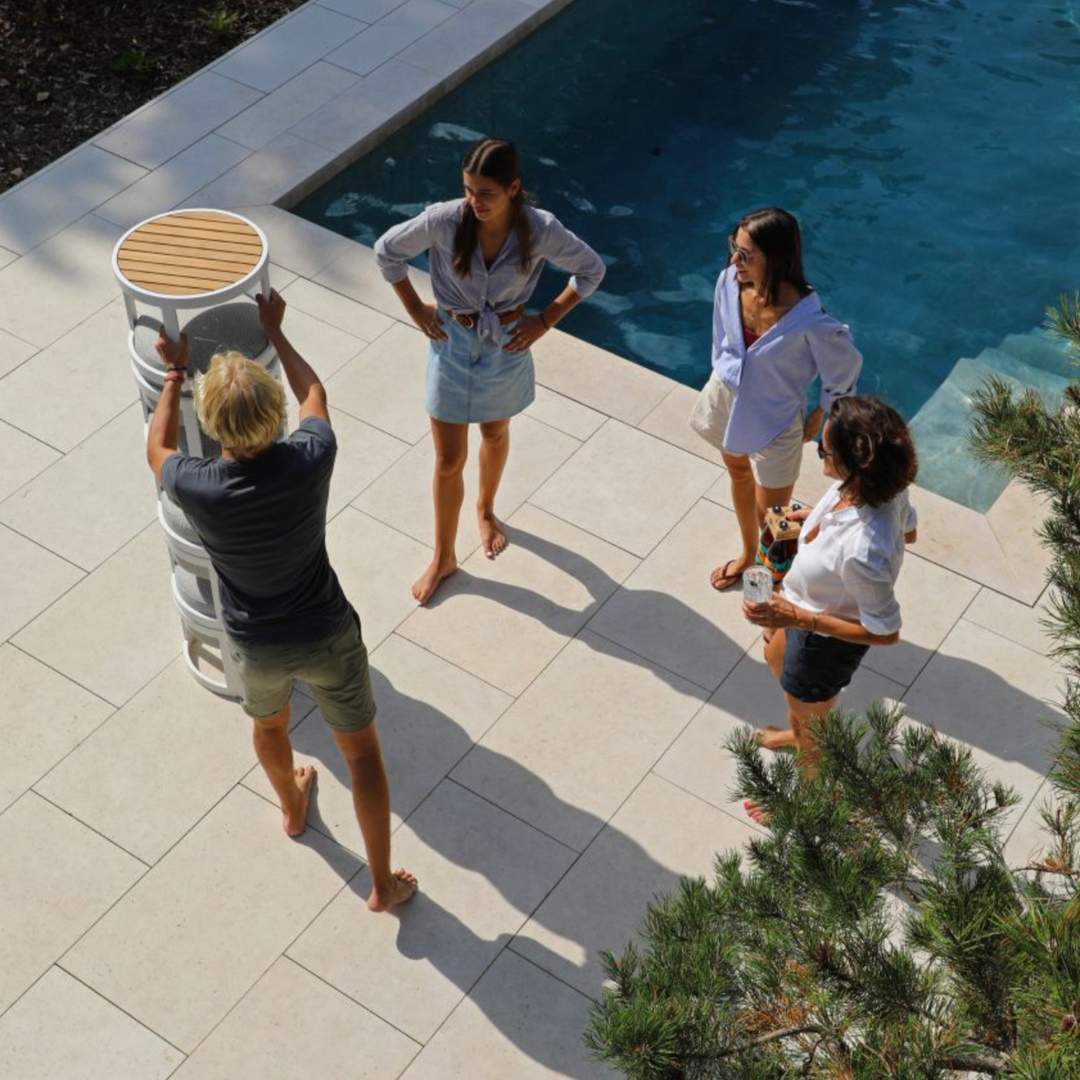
x,y
470,319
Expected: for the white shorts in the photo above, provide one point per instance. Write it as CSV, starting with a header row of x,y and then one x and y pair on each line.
x,y
776,465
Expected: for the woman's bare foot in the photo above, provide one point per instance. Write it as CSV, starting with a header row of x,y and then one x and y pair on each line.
x,y
296,821
492,538
426,584
755,813
776,738
403,887
729,575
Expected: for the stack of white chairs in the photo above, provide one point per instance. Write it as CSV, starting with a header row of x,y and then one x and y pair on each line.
x,y
218,321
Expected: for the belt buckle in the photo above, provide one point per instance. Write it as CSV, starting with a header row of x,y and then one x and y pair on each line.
x,y
468,321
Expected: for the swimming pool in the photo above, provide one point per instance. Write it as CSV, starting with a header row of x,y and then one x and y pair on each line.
x,y
930,148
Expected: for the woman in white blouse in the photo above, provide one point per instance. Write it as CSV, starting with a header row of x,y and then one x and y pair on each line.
x,y
485,252
838,597
771,340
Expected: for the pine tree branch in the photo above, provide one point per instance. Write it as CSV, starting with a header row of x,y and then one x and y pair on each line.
x,y
973,1063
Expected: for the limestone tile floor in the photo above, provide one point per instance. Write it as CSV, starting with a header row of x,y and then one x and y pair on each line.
x,y
553,724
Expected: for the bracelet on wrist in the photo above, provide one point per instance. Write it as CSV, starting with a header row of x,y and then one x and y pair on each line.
x,y
175,375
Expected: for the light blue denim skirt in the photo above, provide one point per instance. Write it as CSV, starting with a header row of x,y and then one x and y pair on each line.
x,y
470,380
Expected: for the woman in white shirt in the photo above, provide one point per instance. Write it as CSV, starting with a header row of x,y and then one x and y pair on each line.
x,y
485,253
771,340
838,597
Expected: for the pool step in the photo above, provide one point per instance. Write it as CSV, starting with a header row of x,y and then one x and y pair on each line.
x,y
940,427
1040,350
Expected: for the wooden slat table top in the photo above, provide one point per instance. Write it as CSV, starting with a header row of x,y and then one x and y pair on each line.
x,y
189,252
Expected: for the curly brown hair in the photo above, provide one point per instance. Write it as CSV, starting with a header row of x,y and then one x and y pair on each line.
x,y
872,448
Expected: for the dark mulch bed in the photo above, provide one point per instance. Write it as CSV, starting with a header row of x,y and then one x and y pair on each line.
x,y
69,68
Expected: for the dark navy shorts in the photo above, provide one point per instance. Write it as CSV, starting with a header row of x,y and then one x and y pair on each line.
x,y
817,667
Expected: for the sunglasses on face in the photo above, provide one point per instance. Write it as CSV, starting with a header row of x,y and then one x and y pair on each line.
x,y
740,254
822,452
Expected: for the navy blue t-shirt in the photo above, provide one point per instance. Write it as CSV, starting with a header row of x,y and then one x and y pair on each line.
x,y
263,524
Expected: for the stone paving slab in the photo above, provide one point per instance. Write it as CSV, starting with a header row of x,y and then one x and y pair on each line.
x,y
293,1024
484,872
385,387
63,1029
668,611
984,690
173,182
518,1021
506,619
538,451
1013,620
465,42
195,934
33,578
58,877
265,176
565,414
568,752
632,508
23,456
173,738
45,717
180,117
407,23
298,245
116,629
13,351
932,600
92,357
357,115
289,47
375,565
45,294
62,194
661,833
61,508
362,322
670,421
287,105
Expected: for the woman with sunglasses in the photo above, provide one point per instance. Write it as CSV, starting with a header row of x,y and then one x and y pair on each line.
x,y
771,340
838,599
485,253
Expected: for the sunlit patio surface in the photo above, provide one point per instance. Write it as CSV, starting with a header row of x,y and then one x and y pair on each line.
x,y
553,724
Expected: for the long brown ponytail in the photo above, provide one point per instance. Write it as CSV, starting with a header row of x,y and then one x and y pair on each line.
x,y
494,159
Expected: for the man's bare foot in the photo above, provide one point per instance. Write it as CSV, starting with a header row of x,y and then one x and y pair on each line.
x,y
426,584
296,821
729,575
776,738
755,813
402,887
492,538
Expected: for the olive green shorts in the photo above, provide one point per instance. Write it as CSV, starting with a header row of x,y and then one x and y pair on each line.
x,y
335,670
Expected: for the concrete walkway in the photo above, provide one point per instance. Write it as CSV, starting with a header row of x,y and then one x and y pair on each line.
x,y
553,724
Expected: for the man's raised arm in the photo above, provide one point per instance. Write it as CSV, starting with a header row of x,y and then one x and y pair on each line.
x,y
302,378
162,438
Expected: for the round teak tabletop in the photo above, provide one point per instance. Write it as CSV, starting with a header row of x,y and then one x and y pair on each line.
x,y
188,253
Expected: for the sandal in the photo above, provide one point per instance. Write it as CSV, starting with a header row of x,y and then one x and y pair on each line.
x,y
735,578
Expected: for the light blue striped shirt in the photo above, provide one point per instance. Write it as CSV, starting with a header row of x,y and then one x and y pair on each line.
x,y
771,377
488,290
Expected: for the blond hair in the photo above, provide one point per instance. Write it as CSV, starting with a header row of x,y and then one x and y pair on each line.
x,y
239,404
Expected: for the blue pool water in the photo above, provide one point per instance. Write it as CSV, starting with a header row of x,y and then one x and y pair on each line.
x,y
930,148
